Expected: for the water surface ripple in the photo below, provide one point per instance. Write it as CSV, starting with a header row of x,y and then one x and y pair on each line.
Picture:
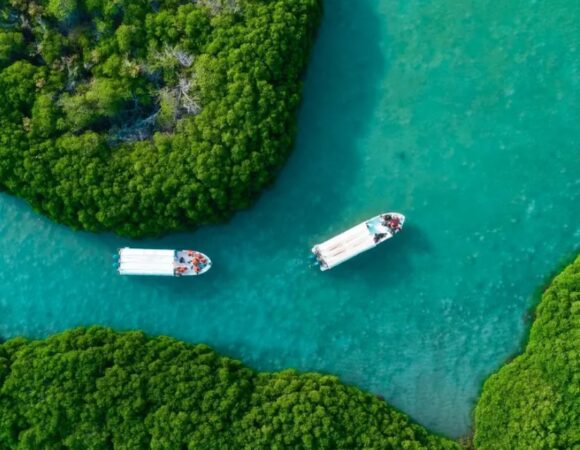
x,y
462,115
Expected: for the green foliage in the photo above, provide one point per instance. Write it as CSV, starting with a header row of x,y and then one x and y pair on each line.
x,y
97,389
533,402
102,99
62,9
191,104
11,45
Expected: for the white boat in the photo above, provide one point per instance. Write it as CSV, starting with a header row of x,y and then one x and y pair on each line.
x,y
358,239
170,263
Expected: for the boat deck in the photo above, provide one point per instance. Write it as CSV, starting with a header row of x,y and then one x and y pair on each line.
x,y
344,246
187,261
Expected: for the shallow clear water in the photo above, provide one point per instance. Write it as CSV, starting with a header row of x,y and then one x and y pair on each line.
x,y
462,116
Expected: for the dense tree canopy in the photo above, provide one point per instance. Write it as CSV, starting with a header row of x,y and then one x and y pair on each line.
x,y
97,389
534,401
143,116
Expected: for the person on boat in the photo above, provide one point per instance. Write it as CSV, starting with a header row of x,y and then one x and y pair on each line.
x,y
378,237
395,224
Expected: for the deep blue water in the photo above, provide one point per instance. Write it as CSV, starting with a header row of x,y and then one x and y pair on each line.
x,y
463,116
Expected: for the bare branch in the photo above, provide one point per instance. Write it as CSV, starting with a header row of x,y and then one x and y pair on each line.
x,y
188,100
183,58
218,6
138,131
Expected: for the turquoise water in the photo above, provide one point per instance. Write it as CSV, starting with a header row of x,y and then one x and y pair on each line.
x,y
462,115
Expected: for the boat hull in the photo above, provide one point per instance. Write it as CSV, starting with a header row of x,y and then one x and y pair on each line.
x,y
358,239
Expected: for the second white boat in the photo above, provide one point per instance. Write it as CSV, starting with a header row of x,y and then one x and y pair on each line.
x,y
358,239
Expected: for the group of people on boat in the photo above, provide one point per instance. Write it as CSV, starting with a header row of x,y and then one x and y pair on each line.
x,y
391,224
194,261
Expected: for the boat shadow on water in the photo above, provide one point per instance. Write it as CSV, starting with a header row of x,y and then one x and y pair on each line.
x,y
389,263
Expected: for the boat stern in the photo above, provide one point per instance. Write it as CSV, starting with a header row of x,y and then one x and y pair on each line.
x,y
319,259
